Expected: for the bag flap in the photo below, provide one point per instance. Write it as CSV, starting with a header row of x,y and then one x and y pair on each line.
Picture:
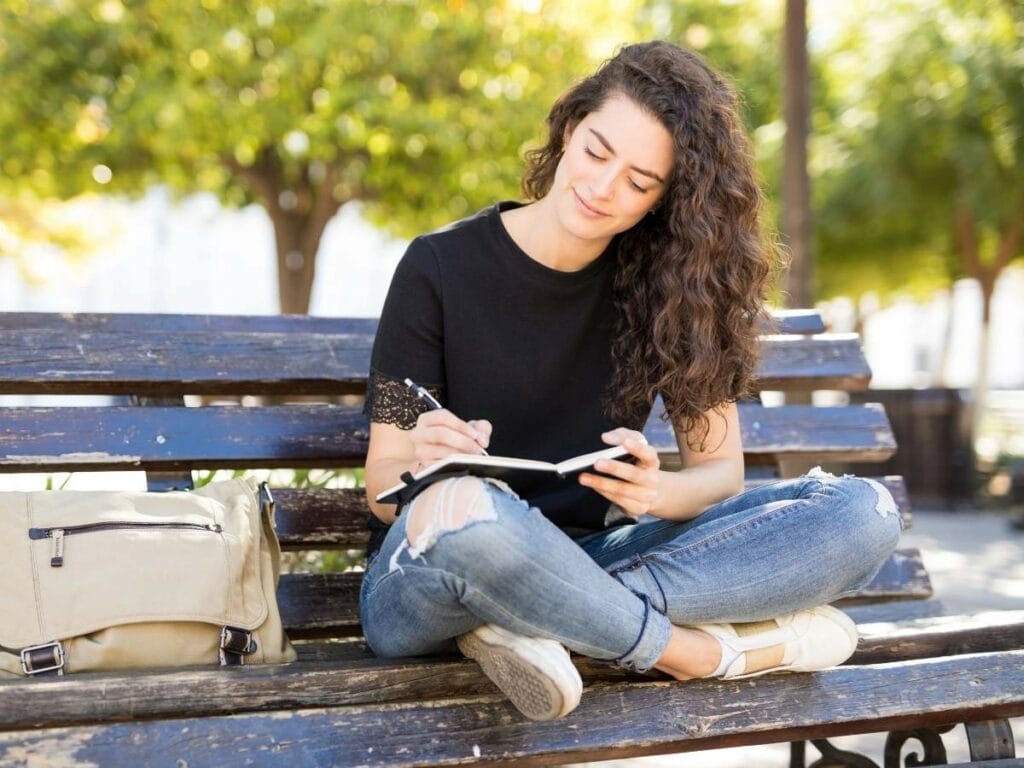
x,y
81,561
20,625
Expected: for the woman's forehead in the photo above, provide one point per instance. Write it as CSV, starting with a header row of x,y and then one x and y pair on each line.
x,y
631,131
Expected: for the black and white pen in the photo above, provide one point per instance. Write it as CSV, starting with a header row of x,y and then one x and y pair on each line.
x,y
430,400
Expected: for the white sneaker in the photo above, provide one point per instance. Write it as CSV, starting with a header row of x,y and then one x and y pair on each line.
x,y
805,641
535,673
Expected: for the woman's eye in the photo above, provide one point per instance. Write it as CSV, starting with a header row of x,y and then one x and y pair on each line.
x,y
591,153
636,186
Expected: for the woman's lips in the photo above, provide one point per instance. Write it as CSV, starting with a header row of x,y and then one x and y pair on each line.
x,y
587,209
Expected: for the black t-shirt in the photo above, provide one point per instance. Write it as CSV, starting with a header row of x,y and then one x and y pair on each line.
x,y
496,335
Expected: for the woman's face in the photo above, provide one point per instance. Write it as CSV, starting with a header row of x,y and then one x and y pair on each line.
x,y
615,168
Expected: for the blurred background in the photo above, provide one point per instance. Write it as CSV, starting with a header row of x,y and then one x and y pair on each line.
x,y
265,156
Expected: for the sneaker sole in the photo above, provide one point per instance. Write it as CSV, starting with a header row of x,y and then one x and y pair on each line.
x,y
535,686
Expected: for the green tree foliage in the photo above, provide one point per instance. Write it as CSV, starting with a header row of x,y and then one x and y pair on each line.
x,y
743,41
418,109
924,181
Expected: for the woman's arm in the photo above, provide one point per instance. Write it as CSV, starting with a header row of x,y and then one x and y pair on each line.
x,y
706,478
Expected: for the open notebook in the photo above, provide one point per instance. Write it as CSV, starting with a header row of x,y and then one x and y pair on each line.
x,y
505,468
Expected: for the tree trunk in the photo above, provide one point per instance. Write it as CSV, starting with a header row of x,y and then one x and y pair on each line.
x,y
986,275
796,214
297,239
940,372
796,209
299,212
981,382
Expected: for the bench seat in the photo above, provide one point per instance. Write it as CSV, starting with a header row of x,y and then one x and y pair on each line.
x,y
203,392
662,716
347,674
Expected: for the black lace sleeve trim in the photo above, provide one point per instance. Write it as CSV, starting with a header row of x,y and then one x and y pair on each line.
x,y
389,401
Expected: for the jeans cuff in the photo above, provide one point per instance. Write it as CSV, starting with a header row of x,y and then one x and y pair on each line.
x,y
654,637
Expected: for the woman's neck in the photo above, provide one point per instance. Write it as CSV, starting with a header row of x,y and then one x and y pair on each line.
x,y
536,230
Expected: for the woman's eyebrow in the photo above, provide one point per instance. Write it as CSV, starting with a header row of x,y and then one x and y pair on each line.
x,y
608,146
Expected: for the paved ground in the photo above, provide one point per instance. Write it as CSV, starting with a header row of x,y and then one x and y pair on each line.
x,y
976,562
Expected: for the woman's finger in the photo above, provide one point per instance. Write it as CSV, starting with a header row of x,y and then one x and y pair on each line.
x,y
483,429
445,418
454,441
607,487
619,469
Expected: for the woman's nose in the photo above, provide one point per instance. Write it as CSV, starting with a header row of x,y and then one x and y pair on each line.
x,y
603,186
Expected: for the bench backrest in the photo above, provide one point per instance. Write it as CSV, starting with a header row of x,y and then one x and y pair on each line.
x,y
183,367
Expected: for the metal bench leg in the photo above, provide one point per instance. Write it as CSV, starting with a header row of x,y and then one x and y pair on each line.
x,y
831,757
931,744
990,740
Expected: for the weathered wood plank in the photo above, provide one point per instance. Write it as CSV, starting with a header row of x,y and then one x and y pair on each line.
x,y
305,362
829,361
943,636
902,577
346,674
676,717
133,324
323,518
318,605
167,438
798,321
896,611
176,363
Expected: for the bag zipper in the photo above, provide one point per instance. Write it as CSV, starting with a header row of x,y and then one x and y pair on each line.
x,y
59,532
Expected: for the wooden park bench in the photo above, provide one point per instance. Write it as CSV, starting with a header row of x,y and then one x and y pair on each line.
x,y
915,672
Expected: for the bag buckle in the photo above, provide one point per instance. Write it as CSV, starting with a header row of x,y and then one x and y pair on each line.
x,y
235,643
49,655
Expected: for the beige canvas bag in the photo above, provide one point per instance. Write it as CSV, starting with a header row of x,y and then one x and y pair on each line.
x,y
94,580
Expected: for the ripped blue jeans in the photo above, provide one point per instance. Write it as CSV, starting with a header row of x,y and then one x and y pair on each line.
x,y
486,556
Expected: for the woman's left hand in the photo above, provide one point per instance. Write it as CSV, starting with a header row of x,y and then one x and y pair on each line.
x,y
632,487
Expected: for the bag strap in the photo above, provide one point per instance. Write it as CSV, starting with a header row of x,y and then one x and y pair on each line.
x,y
235,645
45,659
48,658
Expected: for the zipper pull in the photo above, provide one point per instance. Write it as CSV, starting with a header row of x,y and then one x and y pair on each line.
x,y
57,560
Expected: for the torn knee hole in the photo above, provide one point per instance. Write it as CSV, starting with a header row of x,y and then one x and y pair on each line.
x,y
885,504
446,506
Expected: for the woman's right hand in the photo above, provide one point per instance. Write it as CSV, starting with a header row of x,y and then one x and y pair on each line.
x,y
441,433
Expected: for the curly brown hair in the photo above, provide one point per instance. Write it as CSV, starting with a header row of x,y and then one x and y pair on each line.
x,y
692,275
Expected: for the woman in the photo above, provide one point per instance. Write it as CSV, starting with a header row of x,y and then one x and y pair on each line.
x,y
636,268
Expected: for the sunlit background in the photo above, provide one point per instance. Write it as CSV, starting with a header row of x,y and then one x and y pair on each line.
x,y
268,156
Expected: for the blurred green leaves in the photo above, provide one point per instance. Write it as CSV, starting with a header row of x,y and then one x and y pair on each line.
x,y
928,114
419,109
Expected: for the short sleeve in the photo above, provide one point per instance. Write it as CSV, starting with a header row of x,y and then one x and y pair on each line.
x,y
409,341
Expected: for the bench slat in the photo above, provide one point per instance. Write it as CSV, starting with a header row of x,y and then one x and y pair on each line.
x,y
699,714
168,438
326,518
326,604
243,361
797,321
896,611
345,674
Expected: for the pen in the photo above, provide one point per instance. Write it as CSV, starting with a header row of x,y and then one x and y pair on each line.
x,y
422,394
